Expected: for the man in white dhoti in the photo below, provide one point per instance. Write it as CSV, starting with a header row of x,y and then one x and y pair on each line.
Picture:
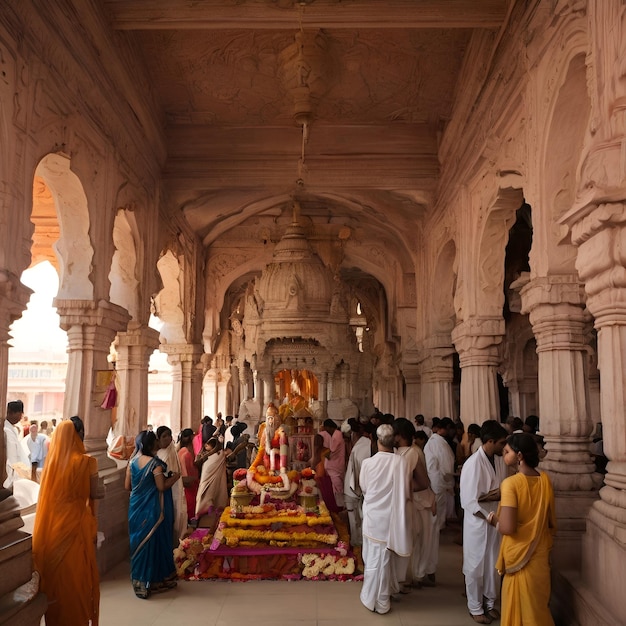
x,y
353,496
383,480
421,505
440,466
480,493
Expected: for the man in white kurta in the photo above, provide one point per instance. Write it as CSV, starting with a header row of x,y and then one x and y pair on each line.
x,y
480,485
353,496
440,466
14,452
383,480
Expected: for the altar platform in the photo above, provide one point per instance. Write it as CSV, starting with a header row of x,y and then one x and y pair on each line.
x,y
302,546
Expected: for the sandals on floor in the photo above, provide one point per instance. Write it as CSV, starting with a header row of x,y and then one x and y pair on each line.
x,y
481,619
141,591
493,613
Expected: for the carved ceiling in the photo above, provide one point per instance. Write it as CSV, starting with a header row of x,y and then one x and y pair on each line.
x,y
377,82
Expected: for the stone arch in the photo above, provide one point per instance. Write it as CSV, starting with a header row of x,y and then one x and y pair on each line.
x,y
123,276
73,249
168,302
565,131
443,289
491,252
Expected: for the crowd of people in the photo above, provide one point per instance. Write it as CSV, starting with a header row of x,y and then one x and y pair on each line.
x,y
396,482
412,482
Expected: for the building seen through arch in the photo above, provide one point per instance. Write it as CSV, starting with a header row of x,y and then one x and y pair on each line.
x,y
409,206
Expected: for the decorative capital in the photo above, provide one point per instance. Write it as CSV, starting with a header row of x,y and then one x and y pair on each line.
x,y
478,339
178,353
102,314
14,297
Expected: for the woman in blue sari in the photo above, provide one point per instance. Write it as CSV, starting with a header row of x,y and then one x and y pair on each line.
x,y
150,519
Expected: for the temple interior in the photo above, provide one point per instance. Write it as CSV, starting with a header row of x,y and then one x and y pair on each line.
x,y
414,206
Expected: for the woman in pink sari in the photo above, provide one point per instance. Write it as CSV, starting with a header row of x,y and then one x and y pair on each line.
x,y
189,471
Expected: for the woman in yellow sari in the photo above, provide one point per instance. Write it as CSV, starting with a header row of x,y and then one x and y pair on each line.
x,y
527,521
64,535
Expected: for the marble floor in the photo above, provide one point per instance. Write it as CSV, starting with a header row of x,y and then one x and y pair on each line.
x,y
278,603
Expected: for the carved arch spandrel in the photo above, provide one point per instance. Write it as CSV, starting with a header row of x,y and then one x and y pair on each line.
x,y
561,138
169,301
125,273
487,277
73,248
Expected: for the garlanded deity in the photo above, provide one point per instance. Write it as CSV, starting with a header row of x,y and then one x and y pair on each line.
x,y
271,464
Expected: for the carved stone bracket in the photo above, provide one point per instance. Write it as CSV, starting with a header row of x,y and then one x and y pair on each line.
x,y
478,339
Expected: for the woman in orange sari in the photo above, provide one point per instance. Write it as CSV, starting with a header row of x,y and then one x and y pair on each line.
x,y
527,521
64,536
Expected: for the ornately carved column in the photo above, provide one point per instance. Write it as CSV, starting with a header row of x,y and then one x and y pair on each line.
x,y
187,371
91,328
555,305
477,340
437,377
14,297
600,233
134,348
323,391
236,390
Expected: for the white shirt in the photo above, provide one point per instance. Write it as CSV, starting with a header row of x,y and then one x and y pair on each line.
x,y
439,463
425,429
37,448
385,494
14,451
361,450
478,478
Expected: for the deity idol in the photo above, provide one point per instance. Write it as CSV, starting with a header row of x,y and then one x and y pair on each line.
x,y
272,460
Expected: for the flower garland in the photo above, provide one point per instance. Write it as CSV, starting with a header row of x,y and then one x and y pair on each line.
x,y
319,567
268,514
186,555
233,536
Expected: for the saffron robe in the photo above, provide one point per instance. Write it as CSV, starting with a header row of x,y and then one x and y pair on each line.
x,y
524,556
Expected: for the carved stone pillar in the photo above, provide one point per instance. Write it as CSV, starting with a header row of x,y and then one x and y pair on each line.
x,y
259,391
19,587
323,390
555,305
223,383
437,376
91,328
134,348
413,389
477,340
265,381
244,382
186,406
236,389
599,231
13,300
